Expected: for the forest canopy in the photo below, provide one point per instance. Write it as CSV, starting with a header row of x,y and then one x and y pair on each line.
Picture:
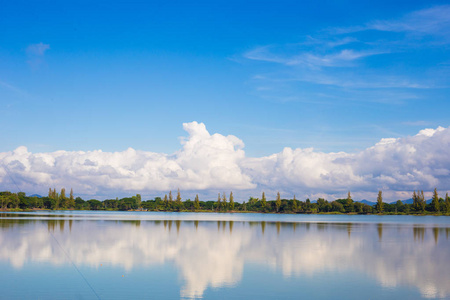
x,y
225,203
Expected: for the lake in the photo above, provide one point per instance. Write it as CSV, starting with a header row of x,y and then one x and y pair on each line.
x,y
142,255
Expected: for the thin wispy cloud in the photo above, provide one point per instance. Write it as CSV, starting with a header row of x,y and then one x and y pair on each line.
x,y
12,88
431,21
417,123
350,57
336,58
35,53
37,49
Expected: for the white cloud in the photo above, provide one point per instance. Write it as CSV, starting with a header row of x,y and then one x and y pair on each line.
x,y
204,162
310,59
37,49
349,58
35,53
212,163
430,21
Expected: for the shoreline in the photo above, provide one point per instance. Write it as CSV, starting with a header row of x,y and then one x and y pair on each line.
x,y
236,211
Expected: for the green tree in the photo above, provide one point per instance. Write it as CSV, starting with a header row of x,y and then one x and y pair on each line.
x,y
224,201
435,201
196,203
294,204
62,198
5,199
218,202
231,201
422,201
263,200
95,204
321,204
349,207
79,203
138,200
336,206
178,197
399,206
166,201
416,202
380,202
71,200
278,201
15,200
308,205
447,203
170,206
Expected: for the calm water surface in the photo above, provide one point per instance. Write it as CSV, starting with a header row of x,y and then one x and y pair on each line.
x,y
113,255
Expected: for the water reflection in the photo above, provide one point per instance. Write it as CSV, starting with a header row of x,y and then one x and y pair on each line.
x,y
214,254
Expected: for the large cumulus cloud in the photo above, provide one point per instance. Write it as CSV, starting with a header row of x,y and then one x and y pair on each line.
x,y
214,162
394,165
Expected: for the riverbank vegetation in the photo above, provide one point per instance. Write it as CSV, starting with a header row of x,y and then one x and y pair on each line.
x,y
225,203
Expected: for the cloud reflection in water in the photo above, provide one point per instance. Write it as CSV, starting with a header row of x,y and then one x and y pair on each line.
x,y
214,254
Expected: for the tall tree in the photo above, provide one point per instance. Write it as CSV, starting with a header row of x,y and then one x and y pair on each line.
x,y
71,201
15,200
294,204
278,201
435,201
170,197
380,202
62,198
447,203
57,200
423,202
178,197
349,203
224,201
416,204
263,200
231,201
218,202
196,203
138,200
166,201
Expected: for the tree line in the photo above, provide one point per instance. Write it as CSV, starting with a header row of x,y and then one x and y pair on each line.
x,y
225,203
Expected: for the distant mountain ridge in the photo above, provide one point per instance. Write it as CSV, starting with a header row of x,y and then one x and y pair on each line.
x,y
411,201
367,202
35,195
407,201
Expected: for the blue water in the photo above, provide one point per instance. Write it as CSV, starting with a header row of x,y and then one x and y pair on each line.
x,y
140,255
258,217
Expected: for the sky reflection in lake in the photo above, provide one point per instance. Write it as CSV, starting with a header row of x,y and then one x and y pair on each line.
x,y
222,259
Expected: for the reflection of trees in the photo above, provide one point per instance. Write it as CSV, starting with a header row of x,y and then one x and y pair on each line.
x,y
380,231
209,255
419,233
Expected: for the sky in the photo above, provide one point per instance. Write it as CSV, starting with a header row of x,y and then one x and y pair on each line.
x,y
312,98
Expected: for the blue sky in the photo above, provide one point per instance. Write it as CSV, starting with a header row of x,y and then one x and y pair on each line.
x,y
332,75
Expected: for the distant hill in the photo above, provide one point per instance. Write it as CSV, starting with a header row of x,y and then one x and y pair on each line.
x,y
367,202
410,201
35,195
